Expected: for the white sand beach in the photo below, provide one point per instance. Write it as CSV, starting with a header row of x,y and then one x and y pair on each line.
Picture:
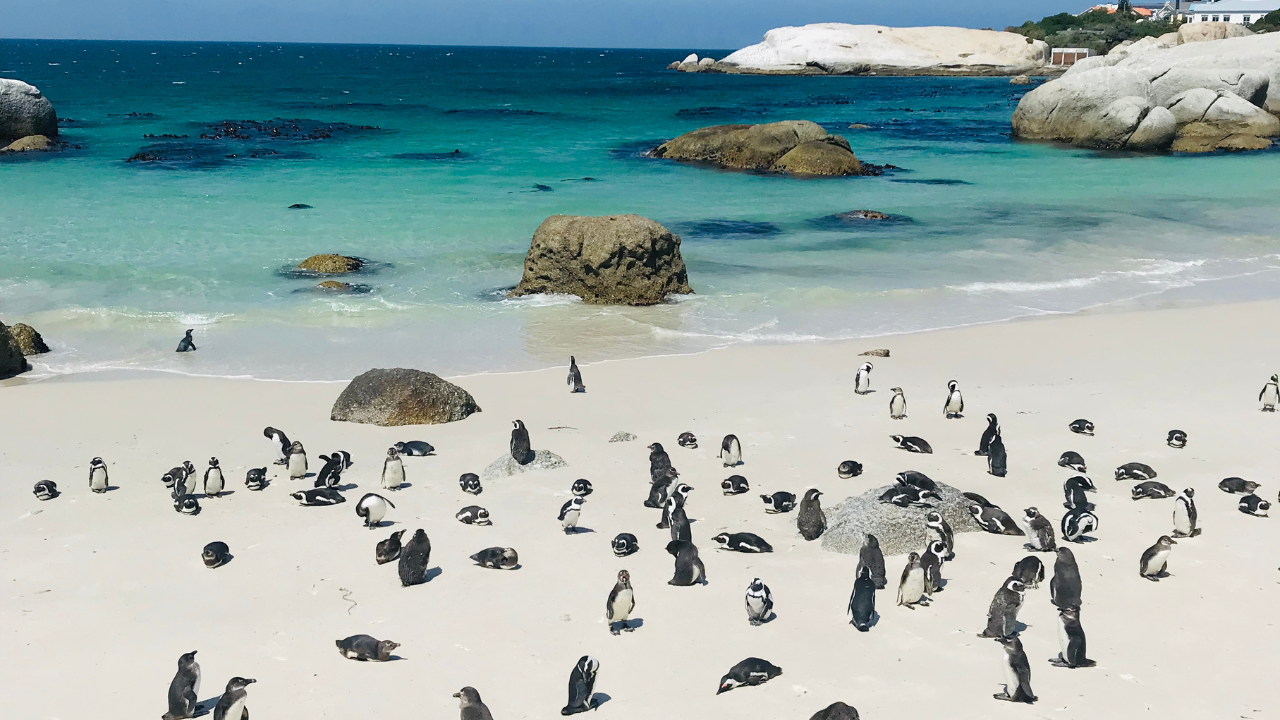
x,y
103,592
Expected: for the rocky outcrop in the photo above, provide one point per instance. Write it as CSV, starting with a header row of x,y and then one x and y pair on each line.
x,y
402,397
791,146
28,143
899,530
1020,80
12,361
29,341
331,264
609,260
842,49
1209,31
24,112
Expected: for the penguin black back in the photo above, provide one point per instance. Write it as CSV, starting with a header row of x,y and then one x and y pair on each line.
x,y
521,449
862,604
871,558
993,429
997,459
414,557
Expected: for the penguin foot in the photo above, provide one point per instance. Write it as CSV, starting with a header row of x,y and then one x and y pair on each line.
x,y
628,628
1003,696
1058,662
614,631
1152,578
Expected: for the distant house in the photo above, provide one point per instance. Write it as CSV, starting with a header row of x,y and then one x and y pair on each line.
x,y
1063,57
1240,12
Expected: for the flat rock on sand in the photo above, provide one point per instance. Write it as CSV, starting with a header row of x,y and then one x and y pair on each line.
x,y
899,530
506,466
622,436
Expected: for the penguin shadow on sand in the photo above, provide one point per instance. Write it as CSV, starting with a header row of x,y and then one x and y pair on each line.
x,y
598,699
431,574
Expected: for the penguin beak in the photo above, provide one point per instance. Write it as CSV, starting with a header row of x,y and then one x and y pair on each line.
x,y
248,681
457,694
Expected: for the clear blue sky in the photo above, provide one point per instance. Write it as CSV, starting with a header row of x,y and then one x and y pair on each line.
x,y
680,24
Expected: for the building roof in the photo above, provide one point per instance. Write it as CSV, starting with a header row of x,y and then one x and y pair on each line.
x,y
1252,7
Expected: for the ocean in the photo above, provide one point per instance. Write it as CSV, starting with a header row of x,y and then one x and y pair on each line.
x,y
438,163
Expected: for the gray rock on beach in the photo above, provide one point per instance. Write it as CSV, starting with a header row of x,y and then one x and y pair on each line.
x,y
12,361
506,466
899,530
622,436
29,341
402,397
24,112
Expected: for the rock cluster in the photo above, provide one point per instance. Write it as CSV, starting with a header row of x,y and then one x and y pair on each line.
x,y
331,264
792,146
12,361
402,397
506,466
899,530
29,341
24,112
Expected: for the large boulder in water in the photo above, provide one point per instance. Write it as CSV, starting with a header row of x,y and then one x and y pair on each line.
x,y
610,260
817,157
29,341
24,112
12,360
796,146
899,530
331,264
402,397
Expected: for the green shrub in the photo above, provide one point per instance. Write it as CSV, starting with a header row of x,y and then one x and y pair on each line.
x,y
1097,30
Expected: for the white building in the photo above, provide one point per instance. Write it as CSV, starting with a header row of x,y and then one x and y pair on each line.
x,y
1240,12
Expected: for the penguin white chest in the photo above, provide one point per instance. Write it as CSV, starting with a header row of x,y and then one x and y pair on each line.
x,y
1271,396
375,509
570,519
1010,675
622,605
954,403
913,586
1063,639
393,475
755,605
1159,562
297,466
1181,518
237,709
898,406
98,479
213,483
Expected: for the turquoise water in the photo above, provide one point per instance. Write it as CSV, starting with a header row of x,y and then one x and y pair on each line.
x,y
112,260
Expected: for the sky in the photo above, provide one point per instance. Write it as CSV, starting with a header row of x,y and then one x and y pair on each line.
x,y
678,24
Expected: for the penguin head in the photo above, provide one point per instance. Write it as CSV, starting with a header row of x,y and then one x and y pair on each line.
x,y
187,659
1189,492
1166,541
238,683
929,494
991,418
872,541
1275,378
952,385
518,424
937,547
468,696
656,447
933,519
867,367
296,447
1032,513
96,462
269,432
913,558
624,578
864,573
189,335
1016,585
896,438
213,462
812,494
393,453
722,538
975,510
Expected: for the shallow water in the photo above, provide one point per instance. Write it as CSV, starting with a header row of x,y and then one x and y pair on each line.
x,y
112,260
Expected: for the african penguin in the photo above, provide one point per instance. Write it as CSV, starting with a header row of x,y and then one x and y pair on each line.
x,y
472,515
184,689
779,502
569,514
872,560
330,474
976,498
658,491
521,448
659,462
1238,486
1065,587
582,682
581,487
678,521
1071,646
574,381
1184,514
731,451
1254,505
372,508
470,483
1029,570
994,520
1153,490
45,490
297,461
862,380
897,404
1081,427
993,429
752,671
1039,531
472,707
848,469
743,542
622,600
414,448
931,563
366,648
188,344
280,442
1017,672
392,470
1177,439
1074,490
231,706
414,557
1002,615
906,495
911,444
187,505
387,550
625,544
758,601
1270,395
213,483
1073,460
1135,471
686,440
689,568
997,457
1077,523
215,555
954,406
318,497
916,479
836,711
497,558
734,485
862,603
256,478
98,475
937,527
810,521
1155,559
911,586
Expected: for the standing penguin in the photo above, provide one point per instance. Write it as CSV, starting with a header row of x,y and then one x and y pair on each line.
x,y
473,708
811,521
862,381
1065,587
731,451
188,344
911,587
991,433
1074,490
297,461
213,482
1155,559
1002,615
954,406
330,475
689,568
1184,514
1017,673
897,404
373,507
569,514
574,380
1077,523
1071,647
98,475
392,470
582,682
622,600
414,557
759,602
862,603
184,690
1270,395
870,558
931,562
232,704
679,521
281,443
1039,531
997,459
937,526
521,450
659,462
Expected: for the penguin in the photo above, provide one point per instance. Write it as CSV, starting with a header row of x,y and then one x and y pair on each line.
x,y
997,458
470,483
911,586
187,344
581,487
870,557
1029,570
658,490
659,462
1071,647
993,430
318,497
689,568
1039,531
862,380
1072,460
752,671
1152,490
779,502
1177,439
916,479
387,550
810,521
1081,427
1155,559
1074,490
569,514
731,451
1270,395
392,470
862,603
213,483
582,682
98,475
187,505
678,521
1184,514
836,711
897,404
1017,673
1065,588
625,544
937,526
473,708
414,557
215,555
256,478
907,495
622,600
297,461
184,689
1077,523
414,448
281,443
848,469
472,515
330,474
687,440
931,563
497,558
734,485
994,520
912,444
759,602
1135,471
366,648
185,484
1254,505
1238,486
743,542
1002,615
521,449
372,508
979,500
231,706
46,490
954,406
574,381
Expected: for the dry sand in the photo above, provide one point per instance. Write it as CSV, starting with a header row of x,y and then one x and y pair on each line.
x,y
103,592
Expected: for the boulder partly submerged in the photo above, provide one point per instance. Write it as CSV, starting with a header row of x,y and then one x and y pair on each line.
x,y
506,466
29,341
608,260
899,530
791,146
331,264
12,361
24,112
401,396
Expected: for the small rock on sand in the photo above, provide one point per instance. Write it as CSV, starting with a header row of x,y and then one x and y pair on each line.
x,y
622,436
506,466
880,352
